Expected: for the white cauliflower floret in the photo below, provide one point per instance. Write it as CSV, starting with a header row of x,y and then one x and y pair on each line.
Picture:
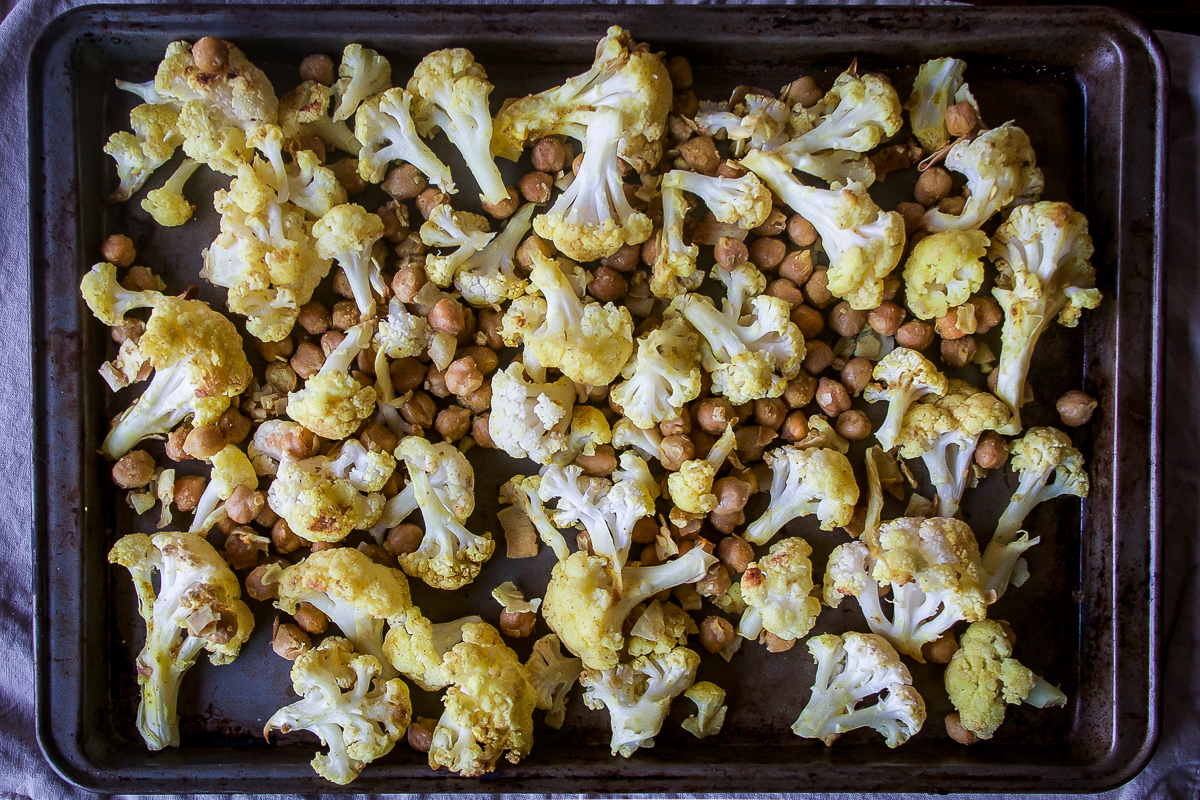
x,y
347,234
450,474
943,271
304,111
1041,455
850,669
488,277
552,675
362,73
638,695
529,419
366,470
230,469
358,716
313,186
358,595
690,486
674,271
757,122
778,592
661,628
933,568
710,710
450,91
108,300
450,556
662,377
944,432
466,232
864,243
332,404
1001,169
401,333
814,480
417,647
744,202
488,707
317,504
905,376
645,441
140,153
197,607
589,429
938,84
385,126
1042,252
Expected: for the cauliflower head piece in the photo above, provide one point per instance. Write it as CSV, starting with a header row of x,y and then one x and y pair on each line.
x,y
778,592
943,271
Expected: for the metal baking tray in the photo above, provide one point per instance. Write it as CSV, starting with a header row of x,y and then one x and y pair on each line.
x,y
1088,86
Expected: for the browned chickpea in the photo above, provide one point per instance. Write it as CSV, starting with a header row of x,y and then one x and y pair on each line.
x,y
407,374
673,427
453,423
715,414
803,91
244,504
856,375
649,251
310,618
463,376
346,172
957,732
131,328
479,400
420,734
480,432
1075,408
275,351
345,315
797,267
435,382
947,326
174,446
318,67
915,334
777,644
403,539
419,410
505,208
716,633
987,314
715,582
315,318
317,547
429,199
447,316
608,285
952,205
680,72
188,489
536,187
379,439
766,254
732,494
832,397
731,169
800,390
727,523
730,252
289,640
960,119
801,231
913,213
204,442
941,649
489,324
886,319
282,537
141,279
255,586
394,216
133,470
845,321
787,291
817,289
991,379
795,427
599,465
625,259
313,144
958,352
770,411
674,450
700,154
517,624
752,440
775,224
933,185
407,281
818,358
809,320
234,425
549,155
685,103
118,250
992,450
404,182
645,531
648,558
211,55
853,425
735,553
307,360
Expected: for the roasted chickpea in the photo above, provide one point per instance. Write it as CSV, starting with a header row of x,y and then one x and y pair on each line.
x,y
832,397
941,649
404,182
700,154
957,732
787,291
310,618
853,425
715,414
770,411
730,252
716,581
809,320
346,172
204,442
1075,408
419,410
992,450
601,464
608,285
915,334
118,250
188,489
480,432
211,55
845,321
407,374
318,67
913,214
933,185
447,316
952,205
775,224
777,644
856,375
517,624
282,537
536,187
307,360
797,267
345,315
767,253
752,441
289,640
174,446
674,450
795,427
818,358
803,91
961,119
133,470
430,199
549,154
958,352
463,376
800,390
453,423
817,289
886,319
505,208
403,539
716,633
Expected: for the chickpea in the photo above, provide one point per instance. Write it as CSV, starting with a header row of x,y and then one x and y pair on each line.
x,y
289,640
958,352
488,328
797,267
767,253
770,411
803,91
419,410
716,581
857,374
453,423
118,250
420,734
506,207
131,328
845,321
715,414
275,351
549,155
933,185
795,427
404,182
345,314
536,187
244,504
346,172
648,558
608,285
517,624
447,316
752,440
700,154
625,259
886,319
315,318
649,251
775,224
463,376
832,397
402,539
307,360
674,450
174,446
435,382
787,291
915,334
987,314
680,71
941,649
428,200
133,470
957,732
234,425
716,633
141,279
211,55
204,442
673,427
318,67
479,400
952,205
853,425
255,586
732,494
913,214
730,252
685,103
480,432
310,618
776,644
809,320
282,537
992,450
407,374
727,523
1075,408
801,231
817,289
960,119
599,465
947,326
800,390
818,358
188,489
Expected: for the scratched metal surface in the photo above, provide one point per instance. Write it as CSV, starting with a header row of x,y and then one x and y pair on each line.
x,y
1091,574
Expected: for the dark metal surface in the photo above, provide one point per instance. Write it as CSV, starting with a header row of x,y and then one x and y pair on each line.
x,y
1087,85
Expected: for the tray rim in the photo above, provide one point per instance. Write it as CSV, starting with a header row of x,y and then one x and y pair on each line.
x,y
75,766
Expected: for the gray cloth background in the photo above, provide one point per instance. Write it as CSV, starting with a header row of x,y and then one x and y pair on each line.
x,y
1174,771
